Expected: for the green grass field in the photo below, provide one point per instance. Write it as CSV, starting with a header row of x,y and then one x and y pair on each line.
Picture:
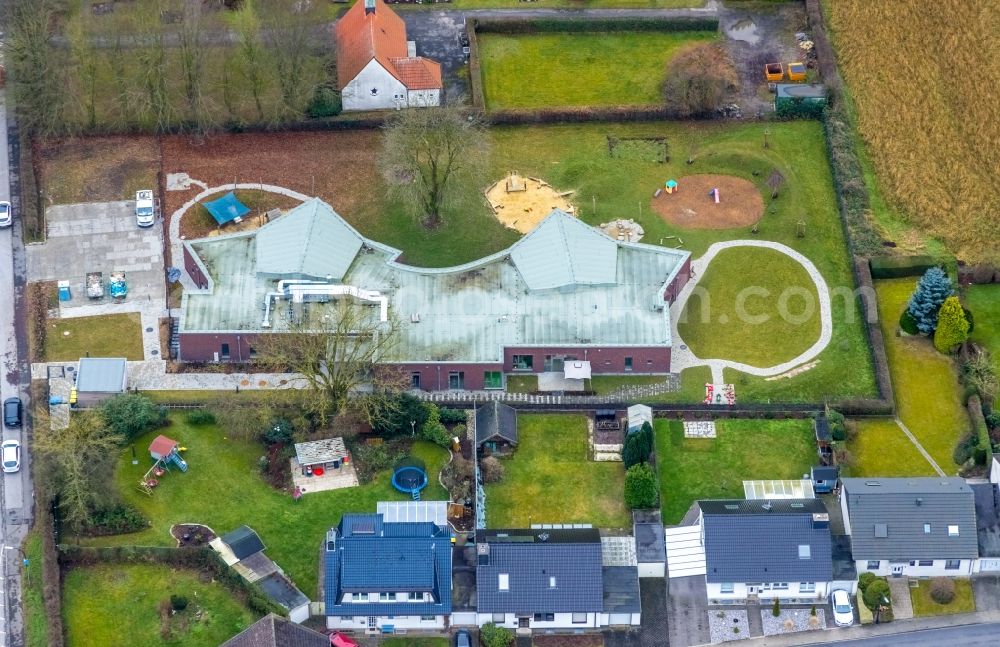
x,y
984,302
223,489
36,628
117,605
578,69
882,449
928,396
923,605
759,307
711,468
550,479
99,336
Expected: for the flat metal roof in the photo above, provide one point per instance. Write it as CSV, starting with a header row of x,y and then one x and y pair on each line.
x,y
101,375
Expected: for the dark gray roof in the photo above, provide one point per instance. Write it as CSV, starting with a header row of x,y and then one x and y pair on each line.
x,y
822,427
277,587
987,518
899,508
650,543
824,473
101,375
760,541
621,589
275,631
243,541
531,559
844,566
496,420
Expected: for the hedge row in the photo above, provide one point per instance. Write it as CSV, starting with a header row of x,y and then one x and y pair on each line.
x,y
581,114
198,559
51,574
876,341
984,446
894,267
978,274
475,70
571,24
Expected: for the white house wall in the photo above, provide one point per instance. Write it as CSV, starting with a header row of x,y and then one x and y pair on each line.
x,y
423,98
652,569
560,621
357,95
936,570
619,619
299,614
843,512
740,593
360,623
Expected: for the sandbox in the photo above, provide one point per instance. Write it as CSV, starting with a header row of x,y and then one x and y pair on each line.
x,y
522,202
693,207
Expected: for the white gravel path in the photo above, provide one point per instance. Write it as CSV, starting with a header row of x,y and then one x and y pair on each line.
x,y
682,358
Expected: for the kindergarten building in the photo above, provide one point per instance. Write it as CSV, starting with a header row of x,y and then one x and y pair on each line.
x,y
566,298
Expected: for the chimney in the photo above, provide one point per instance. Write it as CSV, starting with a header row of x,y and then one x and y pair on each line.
x,y
483,554
820,520
369,7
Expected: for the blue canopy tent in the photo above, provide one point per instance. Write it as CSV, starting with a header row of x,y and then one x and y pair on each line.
x,y
226,208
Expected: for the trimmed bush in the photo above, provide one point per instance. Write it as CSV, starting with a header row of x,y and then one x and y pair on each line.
x,y
838,427
433,430
965,449
969,318
865,579
493,636
908,323
452,416
897,267
776,608
942,590
873,595
640,487
584,24
952,327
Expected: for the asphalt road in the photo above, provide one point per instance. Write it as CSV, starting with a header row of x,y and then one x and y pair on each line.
x,y
981,635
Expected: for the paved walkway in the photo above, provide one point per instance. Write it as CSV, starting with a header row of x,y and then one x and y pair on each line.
x,y
682,357
920,448
899,591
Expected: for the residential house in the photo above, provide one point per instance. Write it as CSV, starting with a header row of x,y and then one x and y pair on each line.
x,y
918,527
552,579
377,68
275,631
761,550
496,427
564,291
384,576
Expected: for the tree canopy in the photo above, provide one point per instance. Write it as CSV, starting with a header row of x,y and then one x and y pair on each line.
x,y
934,287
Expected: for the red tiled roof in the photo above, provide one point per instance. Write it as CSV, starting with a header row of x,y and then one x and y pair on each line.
x,y
361,37
418,73
161,445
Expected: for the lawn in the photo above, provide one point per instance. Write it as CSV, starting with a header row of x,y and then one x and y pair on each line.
x,y
711,468
116,605
923,605
36,627
199,223
522,383
928,396
753,305
984,302
550,479
882,449
692,387
223,490
99,336
556,70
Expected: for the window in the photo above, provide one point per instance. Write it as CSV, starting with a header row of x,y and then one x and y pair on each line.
x,y
224,354
456,380
415,596
499,618
952,564
552,582
523,362
579,618
807,587
926,562
414,380
427,618
628,363
503,581
492,380
359,597
727,587
881,530
386,597
649,362
927,528
873,564
545,617
805,551
953,531
253,352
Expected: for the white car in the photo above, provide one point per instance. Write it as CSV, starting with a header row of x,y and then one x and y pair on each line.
x,y
10,454
843,612
6,214
145,213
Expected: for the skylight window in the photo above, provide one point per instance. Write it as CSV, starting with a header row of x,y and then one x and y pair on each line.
x,y
805,551
881,530
503,582
552,582
927,528
953,531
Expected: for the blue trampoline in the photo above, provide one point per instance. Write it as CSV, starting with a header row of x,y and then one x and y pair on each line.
x,y
226,209
410,476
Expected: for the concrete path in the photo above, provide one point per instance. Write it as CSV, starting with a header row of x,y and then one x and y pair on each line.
x,y
899,592
920,448
682,357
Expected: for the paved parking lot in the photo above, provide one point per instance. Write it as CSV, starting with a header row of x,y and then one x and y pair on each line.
x,y
99,237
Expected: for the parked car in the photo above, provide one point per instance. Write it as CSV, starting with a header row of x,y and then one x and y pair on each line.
x,y
6,214
843,612
145,211
10,454
340,640
462,639
12,412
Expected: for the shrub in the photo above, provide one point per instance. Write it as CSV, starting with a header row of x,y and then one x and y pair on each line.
x,y
200,417
978,372
838,426
993,420
491,469
453,416
178,602
952,327
405,409
280,431
964,449
812,610
432,430
116,519
493,636
640,487
908,323
131,415
942,590
897,267
632,450
369,460
932,290
865,579
325,103
970,319
700,80
873,595
776,608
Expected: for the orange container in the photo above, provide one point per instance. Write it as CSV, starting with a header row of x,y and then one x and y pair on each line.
x,y
773,72
796,71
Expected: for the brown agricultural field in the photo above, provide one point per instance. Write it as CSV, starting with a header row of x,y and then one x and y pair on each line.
x,y
923,88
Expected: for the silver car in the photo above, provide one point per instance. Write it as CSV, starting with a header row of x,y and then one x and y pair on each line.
x,y
10,454
6,214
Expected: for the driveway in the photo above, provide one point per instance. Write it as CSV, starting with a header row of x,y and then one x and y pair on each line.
x,y
687,611
987,591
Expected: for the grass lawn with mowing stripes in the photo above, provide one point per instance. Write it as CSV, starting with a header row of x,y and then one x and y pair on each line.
x,y
880,448
984,302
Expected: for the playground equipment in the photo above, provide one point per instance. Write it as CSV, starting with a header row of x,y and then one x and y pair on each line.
x,y
671,187
796,71
410,476
773,72
164,452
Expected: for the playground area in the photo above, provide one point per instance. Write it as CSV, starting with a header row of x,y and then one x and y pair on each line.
x,y
166,454
410,476
522,202
710,202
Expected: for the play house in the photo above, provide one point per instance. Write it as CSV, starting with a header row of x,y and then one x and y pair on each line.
x,y
166,451
671,186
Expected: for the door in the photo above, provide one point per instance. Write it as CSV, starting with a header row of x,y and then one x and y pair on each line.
x,y
753,589
371,623
523,621
896,570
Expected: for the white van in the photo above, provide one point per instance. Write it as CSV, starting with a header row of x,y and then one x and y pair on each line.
x,y
145,213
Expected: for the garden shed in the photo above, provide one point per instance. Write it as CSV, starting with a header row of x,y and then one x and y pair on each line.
x,y
98,379
788,95
322,465
496,427
638,415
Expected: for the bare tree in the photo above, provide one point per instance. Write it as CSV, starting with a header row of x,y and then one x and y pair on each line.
x,y
287,42
700,78
192,58
336,356
775,181
85,58
35,67
433,156
247,24
152,59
